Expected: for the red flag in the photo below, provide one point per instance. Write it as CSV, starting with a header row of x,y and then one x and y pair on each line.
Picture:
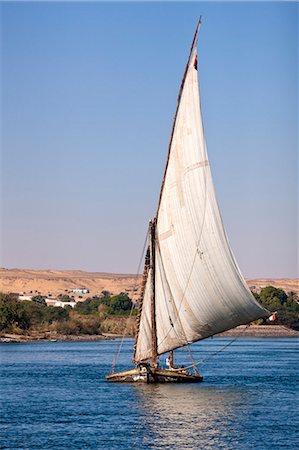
x,y
273,317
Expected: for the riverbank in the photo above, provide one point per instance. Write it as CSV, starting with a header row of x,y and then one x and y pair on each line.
x,y
254,331
51,337
261,331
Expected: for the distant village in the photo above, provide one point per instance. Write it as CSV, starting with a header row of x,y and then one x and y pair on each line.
x,y
67,298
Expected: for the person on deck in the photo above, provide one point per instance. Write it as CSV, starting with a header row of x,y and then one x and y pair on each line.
x,y
167,362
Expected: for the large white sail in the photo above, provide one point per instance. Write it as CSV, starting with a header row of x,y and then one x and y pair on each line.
x,y
199,290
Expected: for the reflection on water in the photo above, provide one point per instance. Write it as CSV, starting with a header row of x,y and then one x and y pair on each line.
x,y
190,415
55,396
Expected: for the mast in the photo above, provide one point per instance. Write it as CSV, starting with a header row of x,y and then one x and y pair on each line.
x,y
171,358
140,301
148,279
152,232
177,109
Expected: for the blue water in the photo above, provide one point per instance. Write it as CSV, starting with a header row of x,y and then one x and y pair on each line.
x,y
54,396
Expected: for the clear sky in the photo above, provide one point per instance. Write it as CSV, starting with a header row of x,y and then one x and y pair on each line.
x,y
89,92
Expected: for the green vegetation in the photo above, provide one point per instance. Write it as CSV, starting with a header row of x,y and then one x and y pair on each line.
x,y
286,305
18,316
117,305
110,313
95,315
77,325
39,299
64,298
12,313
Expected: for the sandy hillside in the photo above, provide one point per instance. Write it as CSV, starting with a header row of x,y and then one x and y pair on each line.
x,y
287,284
59,281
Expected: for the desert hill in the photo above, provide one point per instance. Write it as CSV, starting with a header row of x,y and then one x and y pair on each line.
x,y
287,284
59,281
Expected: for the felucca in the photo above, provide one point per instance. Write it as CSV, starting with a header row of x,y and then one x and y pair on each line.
x,y
192,286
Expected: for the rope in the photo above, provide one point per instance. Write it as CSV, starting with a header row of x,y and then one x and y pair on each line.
x,y
174,306
194,366
132,307
215,353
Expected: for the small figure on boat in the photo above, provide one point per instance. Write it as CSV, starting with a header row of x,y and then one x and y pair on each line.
x,y
170,364
167,362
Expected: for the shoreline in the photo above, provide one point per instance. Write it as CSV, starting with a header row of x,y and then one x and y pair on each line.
x,y
253,331
261,331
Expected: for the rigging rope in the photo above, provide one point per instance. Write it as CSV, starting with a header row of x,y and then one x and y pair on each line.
x,y
215,353
194,366
132,307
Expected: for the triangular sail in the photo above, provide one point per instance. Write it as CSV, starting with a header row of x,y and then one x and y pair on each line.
x,y
199,290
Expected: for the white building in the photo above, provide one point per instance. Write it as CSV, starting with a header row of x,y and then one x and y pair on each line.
x,y
54,302
80,291
25,297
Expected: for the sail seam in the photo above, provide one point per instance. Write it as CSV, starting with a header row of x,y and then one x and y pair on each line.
x,y
196,166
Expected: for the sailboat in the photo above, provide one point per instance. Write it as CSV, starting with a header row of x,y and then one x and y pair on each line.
x,y
192,287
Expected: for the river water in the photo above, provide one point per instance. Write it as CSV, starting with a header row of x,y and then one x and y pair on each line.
x,y
54,396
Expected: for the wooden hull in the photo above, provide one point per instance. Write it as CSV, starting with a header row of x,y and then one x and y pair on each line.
x,y
154,375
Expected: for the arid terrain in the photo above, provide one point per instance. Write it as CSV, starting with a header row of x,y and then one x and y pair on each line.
x,y
287,284
58,281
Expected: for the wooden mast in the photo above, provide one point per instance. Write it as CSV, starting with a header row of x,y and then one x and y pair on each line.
x,y
149,264
152,235
171,359
140,301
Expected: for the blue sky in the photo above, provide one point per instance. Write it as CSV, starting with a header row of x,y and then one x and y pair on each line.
x,y
89,92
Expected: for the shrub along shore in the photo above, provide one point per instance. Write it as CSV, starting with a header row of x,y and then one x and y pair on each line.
x,y
107,317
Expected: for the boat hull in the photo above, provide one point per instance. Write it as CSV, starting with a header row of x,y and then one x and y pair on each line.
x,y
154,375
